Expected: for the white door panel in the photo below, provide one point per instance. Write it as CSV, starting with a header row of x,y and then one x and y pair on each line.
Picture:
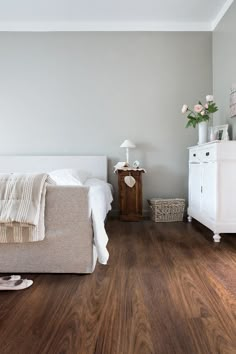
x,y
208,195
195,186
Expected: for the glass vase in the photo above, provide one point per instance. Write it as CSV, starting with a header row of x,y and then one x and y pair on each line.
x,y
211,135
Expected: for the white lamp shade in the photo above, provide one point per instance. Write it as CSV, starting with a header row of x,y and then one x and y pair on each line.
x,y
127,144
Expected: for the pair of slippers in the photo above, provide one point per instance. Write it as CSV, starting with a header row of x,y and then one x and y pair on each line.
x,y
14,282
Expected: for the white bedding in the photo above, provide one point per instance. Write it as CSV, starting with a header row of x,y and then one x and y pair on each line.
x,y
100,198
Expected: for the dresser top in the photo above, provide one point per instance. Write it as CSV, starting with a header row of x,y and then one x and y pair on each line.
x,y
215,142
213,151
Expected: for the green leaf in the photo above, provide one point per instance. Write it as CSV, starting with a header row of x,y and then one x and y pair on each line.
x,y
190,116
212,107
188,124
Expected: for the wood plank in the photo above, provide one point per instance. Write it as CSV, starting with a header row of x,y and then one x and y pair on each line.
x,y
167,289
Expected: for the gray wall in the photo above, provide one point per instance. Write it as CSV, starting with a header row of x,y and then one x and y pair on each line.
x,y
84,93
224,65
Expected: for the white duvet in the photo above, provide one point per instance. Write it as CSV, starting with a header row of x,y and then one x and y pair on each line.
x,y
100,198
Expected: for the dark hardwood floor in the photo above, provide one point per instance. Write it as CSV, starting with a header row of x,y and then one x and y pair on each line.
x,y
168,289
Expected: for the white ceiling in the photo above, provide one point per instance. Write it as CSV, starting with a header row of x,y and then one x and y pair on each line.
x,y
166,15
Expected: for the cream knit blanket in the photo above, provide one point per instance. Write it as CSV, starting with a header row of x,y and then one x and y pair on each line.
x,y
22,204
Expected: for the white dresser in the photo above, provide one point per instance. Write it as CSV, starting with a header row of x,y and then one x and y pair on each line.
x,y
212,186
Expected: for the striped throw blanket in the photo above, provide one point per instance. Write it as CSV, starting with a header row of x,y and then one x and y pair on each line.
x,y
22,204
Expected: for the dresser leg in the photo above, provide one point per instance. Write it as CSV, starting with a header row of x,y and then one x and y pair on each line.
x,y
190,218
216,238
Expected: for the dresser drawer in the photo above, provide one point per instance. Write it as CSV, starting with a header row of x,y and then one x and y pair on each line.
x,y
207,154
194,155
202,154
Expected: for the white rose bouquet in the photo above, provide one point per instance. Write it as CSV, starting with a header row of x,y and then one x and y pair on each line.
x,y
200,112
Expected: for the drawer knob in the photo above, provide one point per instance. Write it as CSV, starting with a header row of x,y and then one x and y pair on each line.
x,y
207,153
194,155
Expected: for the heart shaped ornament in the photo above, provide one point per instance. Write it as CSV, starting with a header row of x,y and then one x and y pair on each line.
x,y
129,181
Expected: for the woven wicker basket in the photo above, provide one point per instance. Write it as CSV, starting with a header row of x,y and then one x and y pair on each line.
x,y
166,210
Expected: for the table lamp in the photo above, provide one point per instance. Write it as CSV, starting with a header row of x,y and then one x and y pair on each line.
x,y
128,145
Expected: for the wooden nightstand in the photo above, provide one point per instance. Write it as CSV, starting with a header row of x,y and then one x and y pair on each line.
x,y
130,199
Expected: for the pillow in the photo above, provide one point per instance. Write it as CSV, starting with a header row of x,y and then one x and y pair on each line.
x,y
81,175
68,177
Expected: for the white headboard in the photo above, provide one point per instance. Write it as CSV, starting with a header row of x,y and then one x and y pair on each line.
x,y
95,165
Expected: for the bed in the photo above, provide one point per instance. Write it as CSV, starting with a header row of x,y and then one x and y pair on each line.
x,y
69,245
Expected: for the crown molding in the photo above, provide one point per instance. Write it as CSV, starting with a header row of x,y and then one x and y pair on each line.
x,y
115,26
103,27
221,13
